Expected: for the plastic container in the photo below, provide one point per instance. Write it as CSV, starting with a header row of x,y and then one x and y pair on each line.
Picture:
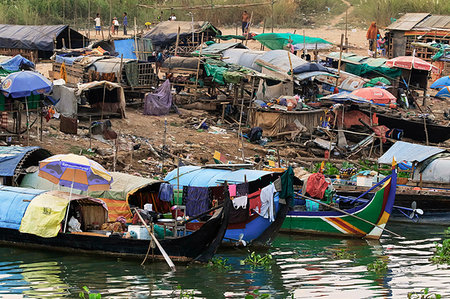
x,y
140,230
364,181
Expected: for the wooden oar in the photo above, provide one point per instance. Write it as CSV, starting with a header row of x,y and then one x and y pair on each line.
x,y
348,214
163,252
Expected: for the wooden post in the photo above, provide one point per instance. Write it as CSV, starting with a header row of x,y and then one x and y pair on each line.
x,y
290,65
90,131
198,68
42,123
248,29
346,30
240,137
103,101
135,37
425,128
119,78
264,30
177,41
70,39
304,44
273,1
340,60
178,177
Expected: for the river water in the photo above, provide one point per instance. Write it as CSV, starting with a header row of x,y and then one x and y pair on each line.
x,y
303,267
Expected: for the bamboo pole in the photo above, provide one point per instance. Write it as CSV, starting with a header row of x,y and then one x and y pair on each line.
x,y
198,67
348,214
177,41
340,60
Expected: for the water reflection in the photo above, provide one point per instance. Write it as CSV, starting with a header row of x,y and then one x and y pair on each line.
x,y
306,267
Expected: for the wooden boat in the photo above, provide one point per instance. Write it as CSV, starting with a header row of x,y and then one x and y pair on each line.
x,y
255,230
27,221
415,129
375,211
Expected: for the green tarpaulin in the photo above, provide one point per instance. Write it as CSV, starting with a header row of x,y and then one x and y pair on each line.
x,y
362,69
277,41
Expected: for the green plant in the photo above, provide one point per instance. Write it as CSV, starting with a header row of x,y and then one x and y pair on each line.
x,y
403,174
256,294
423,294
447,231
377,266
257,260
442,254
90,295
329,168
77,150
219,264
185,294
342,254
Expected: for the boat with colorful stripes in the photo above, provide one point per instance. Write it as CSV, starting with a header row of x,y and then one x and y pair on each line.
x,y
364,220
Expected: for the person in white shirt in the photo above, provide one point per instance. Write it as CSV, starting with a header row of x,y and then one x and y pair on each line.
x,y
98,24
116,26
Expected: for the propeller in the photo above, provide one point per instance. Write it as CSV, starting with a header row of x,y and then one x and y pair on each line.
x,y
241,237
415,210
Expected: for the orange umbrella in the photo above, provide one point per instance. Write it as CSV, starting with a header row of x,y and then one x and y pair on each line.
x,y
411,62
376,95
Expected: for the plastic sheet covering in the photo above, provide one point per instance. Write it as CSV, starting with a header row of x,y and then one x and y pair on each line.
x,y
13,203
17,63
67,101
44,215
10,156
243,57
280,59
29,37
438,171
159,103
410,152
125,47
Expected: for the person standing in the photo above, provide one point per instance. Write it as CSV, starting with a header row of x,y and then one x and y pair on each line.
x,y
125,23
245,19
371,36
116,26
98,24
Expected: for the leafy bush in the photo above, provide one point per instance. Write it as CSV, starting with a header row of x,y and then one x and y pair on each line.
x,y
256,260
424,294
377,266
219,264
442,254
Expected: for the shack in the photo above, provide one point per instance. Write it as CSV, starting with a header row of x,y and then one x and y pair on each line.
x,y
417,27
34,42
16,161
164,36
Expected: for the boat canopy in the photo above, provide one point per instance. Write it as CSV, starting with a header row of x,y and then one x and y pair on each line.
x,y
208,177
13,204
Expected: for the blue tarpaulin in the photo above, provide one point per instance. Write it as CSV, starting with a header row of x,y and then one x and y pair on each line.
x,y
17,63
13,203
126,48
209,177
10,156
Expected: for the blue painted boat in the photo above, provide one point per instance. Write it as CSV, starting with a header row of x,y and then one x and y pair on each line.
x,y
256,230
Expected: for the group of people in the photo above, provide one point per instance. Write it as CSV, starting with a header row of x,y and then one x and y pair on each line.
x,y
114,24
377,43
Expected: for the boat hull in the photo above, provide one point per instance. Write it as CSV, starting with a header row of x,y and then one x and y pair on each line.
x,y
200,245
334,223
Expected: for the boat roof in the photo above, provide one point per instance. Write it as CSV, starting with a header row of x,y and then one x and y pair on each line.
x,y
410,152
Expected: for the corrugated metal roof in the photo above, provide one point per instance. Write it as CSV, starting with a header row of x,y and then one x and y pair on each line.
x,y
197,176
435,22
410,152
407,21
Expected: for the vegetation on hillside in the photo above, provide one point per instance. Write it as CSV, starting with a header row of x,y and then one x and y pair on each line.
x,y
80,13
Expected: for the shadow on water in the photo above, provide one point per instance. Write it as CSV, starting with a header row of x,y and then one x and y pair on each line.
x,y
304,266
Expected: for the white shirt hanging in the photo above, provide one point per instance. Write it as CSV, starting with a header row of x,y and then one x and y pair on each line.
x,y
267,210
240,202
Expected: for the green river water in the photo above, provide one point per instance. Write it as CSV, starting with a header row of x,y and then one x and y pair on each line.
x,y
304,267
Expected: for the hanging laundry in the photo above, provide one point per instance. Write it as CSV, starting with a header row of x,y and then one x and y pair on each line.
x,y
239,215
165,192
316,185
240,202
196,200
254,201
267,202
232,190
242,189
